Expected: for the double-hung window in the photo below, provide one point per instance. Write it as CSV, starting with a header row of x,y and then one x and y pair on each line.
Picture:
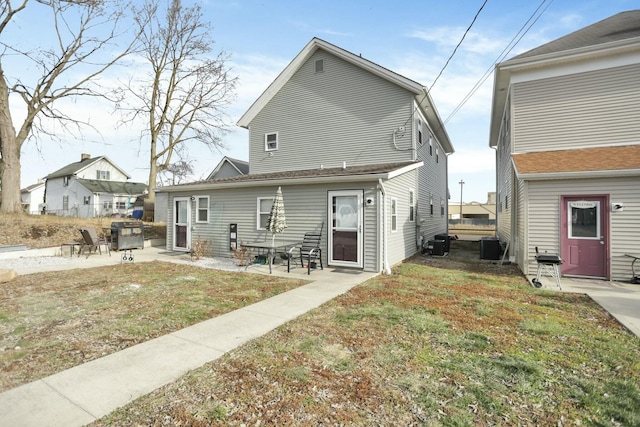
x,y
394,215
264,209
412,206
202,209
271,141
103,175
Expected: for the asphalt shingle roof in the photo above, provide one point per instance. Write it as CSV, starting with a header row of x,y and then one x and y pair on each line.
x,y
624,25
581,160
72,168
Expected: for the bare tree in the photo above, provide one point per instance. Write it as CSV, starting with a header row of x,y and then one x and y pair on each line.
x,y
85,46
186,89
175,173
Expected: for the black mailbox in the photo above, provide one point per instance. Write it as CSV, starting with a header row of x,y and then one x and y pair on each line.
x,y
127,235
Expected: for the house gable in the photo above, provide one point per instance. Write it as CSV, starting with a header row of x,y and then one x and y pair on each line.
x,y
350,111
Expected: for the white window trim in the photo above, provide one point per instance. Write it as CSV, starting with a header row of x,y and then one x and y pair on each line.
x,y
393,217
412,205
198,209
266,144
420,133
258,213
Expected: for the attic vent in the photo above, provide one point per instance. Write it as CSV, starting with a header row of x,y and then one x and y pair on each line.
x,y
319,65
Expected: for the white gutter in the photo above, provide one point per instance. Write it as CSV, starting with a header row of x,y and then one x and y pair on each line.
x,y
385,258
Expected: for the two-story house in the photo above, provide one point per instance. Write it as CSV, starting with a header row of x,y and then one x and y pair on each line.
x,y
32,198
566,128
354,146
90,188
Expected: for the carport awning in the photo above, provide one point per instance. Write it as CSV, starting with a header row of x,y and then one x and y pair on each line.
x,y
572,162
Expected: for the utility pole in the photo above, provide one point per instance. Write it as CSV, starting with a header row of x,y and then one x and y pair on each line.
x,y
461,184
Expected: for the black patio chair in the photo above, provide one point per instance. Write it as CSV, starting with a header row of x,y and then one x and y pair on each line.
x,y
309,250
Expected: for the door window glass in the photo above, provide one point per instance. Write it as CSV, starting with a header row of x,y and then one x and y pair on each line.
x,y
584,220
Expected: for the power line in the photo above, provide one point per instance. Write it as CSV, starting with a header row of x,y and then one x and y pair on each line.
x,y
448,60
508,48
458,45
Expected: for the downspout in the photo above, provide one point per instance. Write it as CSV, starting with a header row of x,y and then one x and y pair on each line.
x,y
385,259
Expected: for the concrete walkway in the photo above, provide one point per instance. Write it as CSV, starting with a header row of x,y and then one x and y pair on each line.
x,y
90,391
621,300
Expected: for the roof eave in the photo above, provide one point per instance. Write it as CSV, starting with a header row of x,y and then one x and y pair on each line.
x,y
577,175
290,181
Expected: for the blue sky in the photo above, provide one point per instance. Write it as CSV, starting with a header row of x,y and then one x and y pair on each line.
x,y
412,38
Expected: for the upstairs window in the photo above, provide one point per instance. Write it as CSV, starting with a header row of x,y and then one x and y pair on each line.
x,y
437,155
271,141
202,206
430,145
420,132
103,175
65,181
441,206
87,200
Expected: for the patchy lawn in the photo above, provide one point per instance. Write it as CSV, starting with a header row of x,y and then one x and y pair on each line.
x,y
470,346
53,321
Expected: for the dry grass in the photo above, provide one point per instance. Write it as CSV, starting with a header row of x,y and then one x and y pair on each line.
x,y
43,231
53,321
475,345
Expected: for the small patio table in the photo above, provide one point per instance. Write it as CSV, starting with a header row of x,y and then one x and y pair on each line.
x,y
271,248
634,279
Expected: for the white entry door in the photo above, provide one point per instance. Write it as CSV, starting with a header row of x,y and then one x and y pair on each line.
x,y
181,224
345,228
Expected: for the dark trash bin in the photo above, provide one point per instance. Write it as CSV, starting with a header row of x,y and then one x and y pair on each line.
x,y
127,235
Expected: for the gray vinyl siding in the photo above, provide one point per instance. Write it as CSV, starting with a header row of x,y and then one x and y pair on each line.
x,y
504,177
226,170
521,232
343,114
432,181
581,110
402,243
305,208
543,215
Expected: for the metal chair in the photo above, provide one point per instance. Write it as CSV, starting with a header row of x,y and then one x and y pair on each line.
x,y
92,241
309,250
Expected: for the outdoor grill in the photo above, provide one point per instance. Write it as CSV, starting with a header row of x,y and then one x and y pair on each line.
x,y
549,263
126,236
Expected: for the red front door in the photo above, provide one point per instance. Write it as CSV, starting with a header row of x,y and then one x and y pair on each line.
x,y
584,235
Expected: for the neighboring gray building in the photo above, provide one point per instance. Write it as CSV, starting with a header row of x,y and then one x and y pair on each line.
x,y
92,187
229,167
353,145
566,127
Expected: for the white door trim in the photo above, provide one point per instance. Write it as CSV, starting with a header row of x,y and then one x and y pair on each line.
x,y
186,223
352,226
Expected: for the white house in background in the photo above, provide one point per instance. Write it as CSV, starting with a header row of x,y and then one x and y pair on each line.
x,y
32,198
90,188
565,123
